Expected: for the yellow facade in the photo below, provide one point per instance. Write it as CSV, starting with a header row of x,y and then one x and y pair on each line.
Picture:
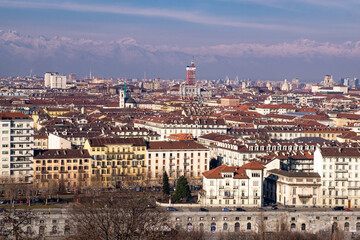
x,y
117,162
69,170
55,112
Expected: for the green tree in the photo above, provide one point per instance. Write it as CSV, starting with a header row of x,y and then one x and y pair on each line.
x,y
166,185
182,189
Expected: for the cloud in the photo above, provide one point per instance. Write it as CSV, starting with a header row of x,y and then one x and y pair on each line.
x,y
128,48
185,16
349,5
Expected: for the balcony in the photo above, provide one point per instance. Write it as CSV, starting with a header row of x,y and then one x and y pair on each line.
x,y
341,171
186,164
244,197
341,179
341,197
353,188
305,195
228,197
341,163
221,187
236,187
256,197
212,197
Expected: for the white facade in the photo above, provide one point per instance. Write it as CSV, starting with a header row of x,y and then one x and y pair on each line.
x,y
57,142
17,143
293,188
339,170
178,158
54,80
233,186
195,127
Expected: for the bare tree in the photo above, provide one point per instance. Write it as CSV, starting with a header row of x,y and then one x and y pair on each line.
x,y
17,223
123,215
11,189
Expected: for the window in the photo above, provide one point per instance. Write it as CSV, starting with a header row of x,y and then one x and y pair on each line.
x,y
248,226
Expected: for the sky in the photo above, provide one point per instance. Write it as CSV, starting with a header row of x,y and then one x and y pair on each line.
x,y
256,39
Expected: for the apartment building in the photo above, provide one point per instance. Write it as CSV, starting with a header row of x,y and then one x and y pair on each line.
x,y
195,126
68,169
177,158
292,188
54,80
233,186
17,143
339,170
117,162
233,152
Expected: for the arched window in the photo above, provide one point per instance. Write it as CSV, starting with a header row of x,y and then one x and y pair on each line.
x,y
213,227
41,230
248,226
201,227
237,227
54,229
346,227
177,226
303,227
358,226
189,227
334,227
67,229
28,230
225,227
293,227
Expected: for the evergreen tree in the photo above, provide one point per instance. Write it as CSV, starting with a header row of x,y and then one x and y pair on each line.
x,y
166,185
182,189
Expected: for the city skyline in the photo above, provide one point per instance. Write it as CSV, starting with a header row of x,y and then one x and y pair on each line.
x,y
282,39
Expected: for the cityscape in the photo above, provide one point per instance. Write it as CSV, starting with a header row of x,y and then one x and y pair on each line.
x,y
180,134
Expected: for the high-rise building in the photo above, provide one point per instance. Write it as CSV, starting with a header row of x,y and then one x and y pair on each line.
x,y
17,144
54,80
190,74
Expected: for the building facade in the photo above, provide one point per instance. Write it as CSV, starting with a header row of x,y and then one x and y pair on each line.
x,y
177,158
339,170
54,80
117,162
292,188
17,144
67,170
232,186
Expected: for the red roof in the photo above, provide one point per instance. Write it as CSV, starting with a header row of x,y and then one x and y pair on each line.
x,y
253,165
239,172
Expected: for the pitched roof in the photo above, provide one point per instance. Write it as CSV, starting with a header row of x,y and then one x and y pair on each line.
x,y
13,115
253,165
239,172
340,152
102,142
294,174
63,153
167,145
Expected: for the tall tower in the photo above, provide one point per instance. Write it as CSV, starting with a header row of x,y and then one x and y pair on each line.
x,y
190,74
122,96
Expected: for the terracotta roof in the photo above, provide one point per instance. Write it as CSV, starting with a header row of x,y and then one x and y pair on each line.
x,y
253,165
239,172
63,153
13,115
102,142
167,145
340,152
294,174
